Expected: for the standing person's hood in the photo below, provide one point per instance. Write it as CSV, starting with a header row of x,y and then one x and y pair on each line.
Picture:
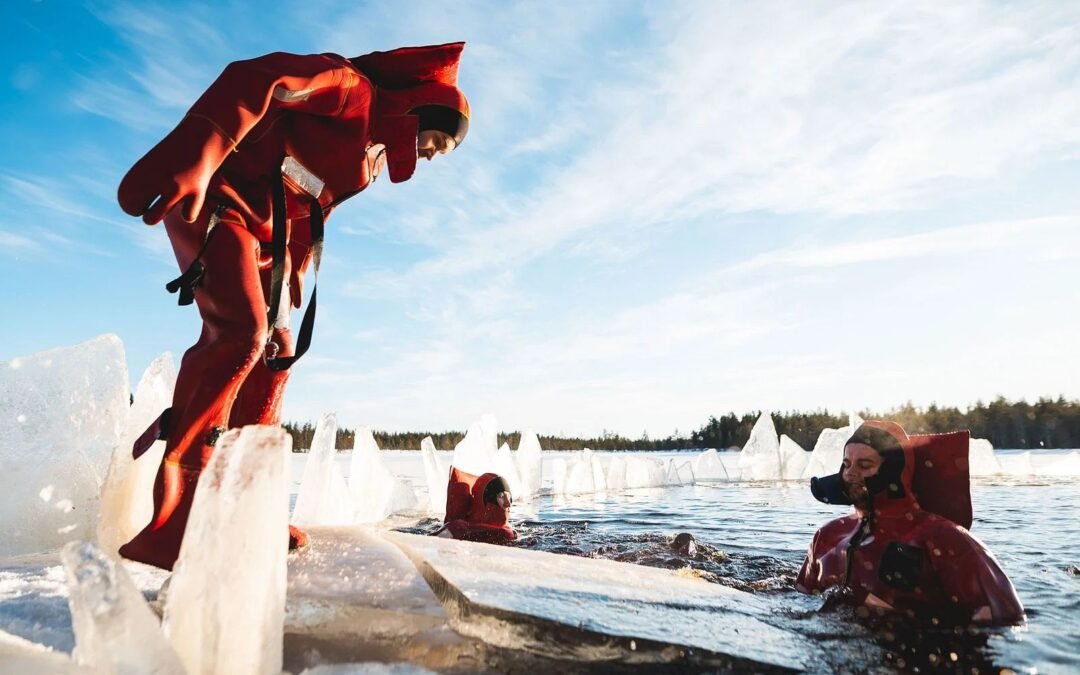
x,y
406,79
928,471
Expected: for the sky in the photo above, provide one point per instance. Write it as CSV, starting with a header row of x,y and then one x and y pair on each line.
x,y
663,211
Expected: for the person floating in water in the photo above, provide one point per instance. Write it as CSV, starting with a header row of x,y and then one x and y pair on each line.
x,y
906,547
244,184
478,508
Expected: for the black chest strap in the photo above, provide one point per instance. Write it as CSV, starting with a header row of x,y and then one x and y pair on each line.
x,y
279,250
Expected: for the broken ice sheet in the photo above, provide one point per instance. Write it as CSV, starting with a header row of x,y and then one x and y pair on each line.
x,y
590,609
115,630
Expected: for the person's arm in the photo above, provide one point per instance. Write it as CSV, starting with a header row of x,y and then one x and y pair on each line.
x,y
178,169
809,577
972,578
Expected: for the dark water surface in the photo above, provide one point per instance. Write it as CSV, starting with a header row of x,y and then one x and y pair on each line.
x,y
753,536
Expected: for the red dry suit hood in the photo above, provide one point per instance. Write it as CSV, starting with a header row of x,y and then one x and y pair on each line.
x,y
928,471
405,79
469,516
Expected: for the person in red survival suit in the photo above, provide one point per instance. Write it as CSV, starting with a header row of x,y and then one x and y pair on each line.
x,y
244,184
906,547
478,508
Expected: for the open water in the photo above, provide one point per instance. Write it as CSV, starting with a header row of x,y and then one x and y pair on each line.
x,y
753,536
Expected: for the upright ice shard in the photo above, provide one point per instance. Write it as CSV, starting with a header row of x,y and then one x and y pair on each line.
x,y
127,495
644,472
225,609
115,630
579,478
376,491
793,459
981,459
507,468
475,453
62,412
707,466
559,475
760,457
828,452
436,476
530,463
324,497
599,479
616,473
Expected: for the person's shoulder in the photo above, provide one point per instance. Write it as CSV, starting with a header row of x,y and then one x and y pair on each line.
x,y
949,536
840,525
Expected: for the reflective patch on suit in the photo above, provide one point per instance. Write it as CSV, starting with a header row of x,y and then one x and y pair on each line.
x,y
302,177
284,308
291,95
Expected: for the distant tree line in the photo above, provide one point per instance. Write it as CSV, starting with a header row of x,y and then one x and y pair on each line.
x,y
1047,423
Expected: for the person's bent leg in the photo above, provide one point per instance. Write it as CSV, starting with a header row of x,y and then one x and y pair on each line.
x,y
212,372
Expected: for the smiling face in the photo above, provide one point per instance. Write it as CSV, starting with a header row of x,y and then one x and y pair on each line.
x,y
860,462
504,500
431,142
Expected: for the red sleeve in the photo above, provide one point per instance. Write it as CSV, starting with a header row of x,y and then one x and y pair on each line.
x,y
316,84
971,577
809,577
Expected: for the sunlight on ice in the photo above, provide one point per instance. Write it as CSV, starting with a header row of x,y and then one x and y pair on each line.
x,y
376,491
74,403
115,630
324,497
225,609
436,475
127,494
529,463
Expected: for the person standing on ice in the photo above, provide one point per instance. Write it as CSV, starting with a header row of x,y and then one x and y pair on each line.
x,y
906,547
244,184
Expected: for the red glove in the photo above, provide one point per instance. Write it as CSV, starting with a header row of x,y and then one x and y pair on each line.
x,y
176,171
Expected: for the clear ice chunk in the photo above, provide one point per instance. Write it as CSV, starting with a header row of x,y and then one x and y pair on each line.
x,y
62,412
475,453
559,475
760,457
506,467
616,473
981,458
376,491
530,463
324,498
115,630
828,452
127,501
644,472
793,459
436,475
225,608
598,610
708,466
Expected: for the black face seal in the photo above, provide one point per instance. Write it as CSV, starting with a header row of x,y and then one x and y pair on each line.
x,y
492,490
444,119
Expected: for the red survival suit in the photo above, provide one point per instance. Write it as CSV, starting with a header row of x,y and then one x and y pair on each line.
x,y
901,553
471,511
323,126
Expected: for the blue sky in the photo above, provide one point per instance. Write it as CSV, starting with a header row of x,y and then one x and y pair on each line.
x,y
663,211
